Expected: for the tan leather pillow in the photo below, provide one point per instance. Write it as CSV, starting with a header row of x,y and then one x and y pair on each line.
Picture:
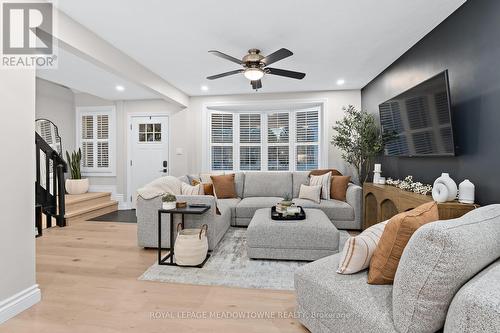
x,y
224,187
320,172
208,188
396,235
338,189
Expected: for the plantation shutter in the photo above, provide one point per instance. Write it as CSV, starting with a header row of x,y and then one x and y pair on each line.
x,y
222,141
307,140
250,139
278,138
95,142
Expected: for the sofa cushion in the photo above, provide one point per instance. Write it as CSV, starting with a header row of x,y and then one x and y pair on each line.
x,y
334,209
476,306
396,235
299,178
438,260
228,204
239,182
267,184
247,206
341,303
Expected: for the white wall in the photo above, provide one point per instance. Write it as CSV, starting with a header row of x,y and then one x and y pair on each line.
x,y
57,103
335,100
18,289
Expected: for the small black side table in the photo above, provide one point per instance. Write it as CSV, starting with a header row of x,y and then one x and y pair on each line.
x,y
189,210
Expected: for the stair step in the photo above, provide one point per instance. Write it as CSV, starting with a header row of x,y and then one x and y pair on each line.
x,y
82,201
91,211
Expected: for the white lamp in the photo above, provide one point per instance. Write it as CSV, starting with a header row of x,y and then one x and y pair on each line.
x,y
254,74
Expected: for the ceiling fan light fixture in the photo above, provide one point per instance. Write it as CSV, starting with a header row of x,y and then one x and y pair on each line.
x,y
254,74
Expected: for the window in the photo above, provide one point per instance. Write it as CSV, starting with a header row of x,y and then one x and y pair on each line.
x,y
150,132
265,140
95,130
222,141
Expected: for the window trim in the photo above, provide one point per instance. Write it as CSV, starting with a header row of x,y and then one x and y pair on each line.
x,y
110,111
263,111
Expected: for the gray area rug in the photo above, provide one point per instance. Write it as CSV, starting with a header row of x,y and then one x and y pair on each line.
x,y
230,266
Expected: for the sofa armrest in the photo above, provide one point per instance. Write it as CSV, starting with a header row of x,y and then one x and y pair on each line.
x,y
354,197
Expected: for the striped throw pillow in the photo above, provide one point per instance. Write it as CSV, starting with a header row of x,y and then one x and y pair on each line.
x,y
358,250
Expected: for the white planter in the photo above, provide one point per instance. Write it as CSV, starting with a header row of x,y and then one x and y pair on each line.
x,y
77,186
169,205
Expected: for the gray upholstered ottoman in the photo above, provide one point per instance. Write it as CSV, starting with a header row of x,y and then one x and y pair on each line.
x,y
310,239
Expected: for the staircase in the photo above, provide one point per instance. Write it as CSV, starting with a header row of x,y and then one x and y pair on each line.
x,y
86,206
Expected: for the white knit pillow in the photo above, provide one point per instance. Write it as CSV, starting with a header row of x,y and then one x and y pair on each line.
x,y
358,250
191,190
325,181
310,192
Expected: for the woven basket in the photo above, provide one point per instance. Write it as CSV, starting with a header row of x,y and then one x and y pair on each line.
x,y
191,246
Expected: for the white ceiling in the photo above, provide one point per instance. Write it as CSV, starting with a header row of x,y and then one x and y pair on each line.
x,y
331,39
84,76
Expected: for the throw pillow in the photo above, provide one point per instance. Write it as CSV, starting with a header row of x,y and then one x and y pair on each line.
x,y
339,187
396,235
319,172
325,181
208,188
206,177
224,187
358,250
311,192
191,190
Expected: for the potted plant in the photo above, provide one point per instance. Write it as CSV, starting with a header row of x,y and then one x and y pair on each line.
x,y
359,139
76,185
287,200
168,201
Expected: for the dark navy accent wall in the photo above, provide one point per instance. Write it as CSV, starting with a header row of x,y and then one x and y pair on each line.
x,y
467,43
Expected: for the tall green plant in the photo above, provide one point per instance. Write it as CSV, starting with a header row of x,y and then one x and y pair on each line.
x,y
359,139
74,162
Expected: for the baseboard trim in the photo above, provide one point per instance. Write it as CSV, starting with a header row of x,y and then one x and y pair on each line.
x,y
21,301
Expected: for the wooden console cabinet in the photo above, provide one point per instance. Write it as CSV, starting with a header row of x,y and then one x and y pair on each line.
x,y
381,202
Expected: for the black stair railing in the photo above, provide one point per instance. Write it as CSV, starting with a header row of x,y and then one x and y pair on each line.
x,y
49,184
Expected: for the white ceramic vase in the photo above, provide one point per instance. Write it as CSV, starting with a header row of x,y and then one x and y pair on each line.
x,y
466,192
77,186
444,188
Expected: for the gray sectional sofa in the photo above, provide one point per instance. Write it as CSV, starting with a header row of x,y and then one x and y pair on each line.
x,y
448,276
255,190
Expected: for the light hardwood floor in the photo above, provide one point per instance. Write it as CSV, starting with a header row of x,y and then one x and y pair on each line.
x,y
88,276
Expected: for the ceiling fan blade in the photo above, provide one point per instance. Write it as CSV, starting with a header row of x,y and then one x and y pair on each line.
x,y
256,84
225,56
218,76
286,73
277,56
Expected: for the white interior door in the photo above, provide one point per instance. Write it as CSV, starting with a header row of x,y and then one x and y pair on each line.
x,y
149,151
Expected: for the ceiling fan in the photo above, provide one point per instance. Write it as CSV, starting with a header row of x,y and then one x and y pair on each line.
x,y
255,66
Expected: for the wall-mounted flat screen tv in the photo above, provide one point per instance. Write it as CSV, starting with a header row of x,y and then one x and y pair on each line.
x,y
418,121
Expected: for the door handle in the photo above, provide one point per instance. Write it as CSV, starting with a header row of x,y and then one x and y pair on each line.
x,y
165,166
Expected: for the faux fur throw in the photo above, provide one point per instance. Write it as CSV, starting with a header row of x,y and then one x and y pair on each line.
x,y
160,186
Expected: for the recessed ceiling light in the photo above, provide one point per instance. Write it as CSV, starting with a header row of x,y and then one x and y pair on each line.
x,y
340,82
204,88
120,88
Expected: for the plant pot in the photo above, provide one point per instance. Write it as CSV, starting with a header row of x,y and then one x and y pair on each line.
x,y
77,186
286,203
169,205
